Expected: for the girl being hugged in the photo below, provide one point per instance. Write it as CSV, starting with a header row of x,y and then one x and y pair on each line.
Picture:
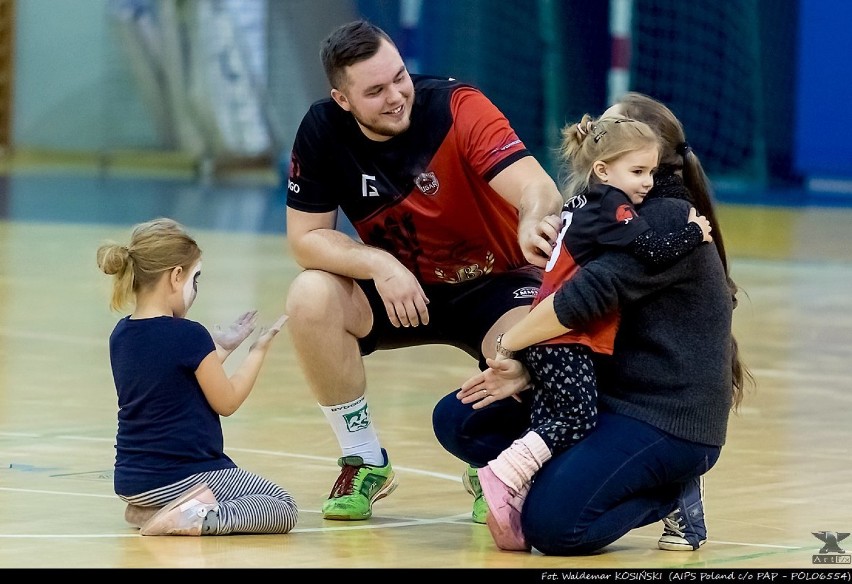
x,y
170,464
611,164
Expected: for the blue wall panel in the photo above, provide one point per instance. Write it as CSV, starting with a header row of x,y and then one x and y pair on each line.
x,y
823,144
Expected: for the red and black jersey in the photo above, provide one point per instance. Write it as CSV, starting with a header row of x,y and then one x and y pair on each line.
x,y
423,195
601,218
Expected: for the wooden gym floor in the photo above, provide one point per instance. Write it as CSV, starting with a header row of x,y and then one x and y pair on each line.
x,y
784,473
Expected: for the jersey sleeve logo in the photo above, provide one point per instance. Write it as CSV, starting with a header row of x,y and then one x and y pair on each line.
x,y
293,175
625,214
427,182
504,147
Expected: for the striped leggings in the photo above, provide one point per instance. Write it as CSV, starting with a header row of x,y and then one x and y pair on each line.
x,y
248,503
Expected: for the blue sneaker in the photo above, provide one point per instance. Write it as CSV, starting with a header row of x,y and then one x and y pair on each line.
x,y
684,528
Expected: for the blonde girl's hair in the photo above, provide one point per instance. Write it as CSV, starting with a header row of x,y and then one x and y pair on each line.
x,y
155,247
606,139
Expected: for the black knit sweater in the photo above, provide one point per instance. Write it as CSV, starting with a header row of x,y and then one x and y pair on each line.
x,y
672,361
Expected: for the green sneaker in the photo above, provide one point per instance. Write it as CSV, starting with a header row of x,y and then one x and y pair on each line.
x,y
470,479
357,487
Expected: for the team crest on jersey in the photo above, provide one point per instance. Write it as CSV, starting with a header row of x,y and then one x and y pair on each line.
x,y
427,182
625,214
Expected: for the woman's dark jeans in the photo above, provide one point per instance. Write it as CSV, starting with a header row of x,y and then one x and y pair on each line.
x,y
623,475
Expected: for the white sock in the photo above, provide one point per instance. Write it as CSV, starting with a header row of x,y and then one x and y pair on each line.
x,y
354,430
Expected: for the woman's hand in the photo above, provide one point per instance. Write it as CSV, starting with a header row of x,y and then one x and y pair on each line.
x,y
502,379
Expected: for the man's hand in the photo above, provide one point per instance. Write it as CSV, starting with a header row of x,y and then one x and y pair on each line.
x,y
538,239
502,379
241,328
529,189
405,301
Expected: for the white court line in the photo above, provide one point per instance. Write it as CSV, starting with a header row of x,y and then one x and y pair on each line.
x,y
324,459
61,493
373,526
453,519
70,339
464,518
839,457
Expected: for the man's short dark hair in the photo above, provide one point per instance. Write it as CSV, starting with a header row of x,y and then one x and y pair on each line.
x,y
350,43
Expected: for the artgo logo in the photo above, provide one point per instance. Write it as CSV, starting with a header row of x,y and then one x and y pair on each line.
x,y
831,552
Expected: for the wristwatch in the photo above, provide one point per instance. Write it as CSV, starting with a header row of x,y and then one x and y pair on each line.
x,y
503,351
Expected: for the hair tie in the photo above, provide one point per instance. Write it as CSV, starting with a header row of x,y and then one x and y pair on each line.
x,y
683,148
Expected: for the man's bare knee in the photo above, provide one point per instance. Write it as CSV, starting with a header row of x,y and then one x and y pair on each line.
x,y
320,299
312,294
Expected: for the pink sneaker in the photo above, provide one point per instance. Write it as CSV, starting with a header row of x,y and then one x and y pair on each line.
x,y
504,511
183,516
139,516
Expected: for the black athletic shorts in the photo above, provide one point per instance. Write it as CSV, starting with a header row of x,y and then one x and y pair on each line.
x,y
459,314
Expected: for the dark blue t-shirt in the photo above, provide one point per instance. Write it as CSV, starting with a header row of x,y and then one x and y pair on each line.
x,y
166,428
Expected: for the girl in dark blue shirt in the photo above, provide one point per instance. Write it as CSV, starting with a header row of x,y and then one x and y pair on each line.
x,y
170,464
